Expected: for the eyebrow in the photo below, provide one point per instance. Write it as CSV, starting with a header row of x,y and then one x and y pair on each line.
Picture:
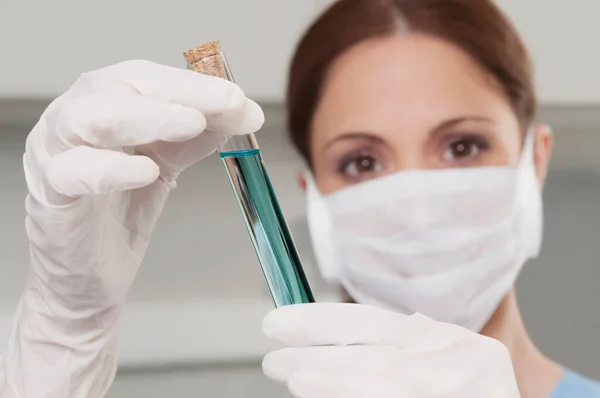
x,y
453,122
436,130
365,136
356,135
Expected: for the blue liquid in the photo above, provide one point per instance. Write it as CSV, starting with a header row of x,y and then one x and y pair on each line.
x,y
266,225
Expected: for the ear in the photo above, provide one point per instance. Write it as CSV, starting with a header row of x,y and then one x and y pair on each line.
x,y
542,151
301,181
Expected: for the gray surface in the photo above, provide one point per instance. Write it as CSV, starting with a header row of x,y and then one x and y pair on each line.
x,y
217,381
558,292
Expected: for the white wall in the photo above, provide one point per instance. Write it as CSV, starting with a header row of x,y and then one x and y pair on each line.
x,y
563,37
45,45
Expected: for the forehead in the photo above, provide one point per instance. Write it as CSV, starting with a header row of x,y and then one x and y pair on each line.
x,y
408,80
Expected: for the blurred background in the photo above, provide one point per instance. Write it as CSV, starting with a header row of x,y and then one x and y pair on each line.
x,y
192,326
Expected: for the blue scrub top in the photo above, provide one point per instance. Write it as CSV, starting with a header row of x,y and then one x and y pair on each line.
x,y
573,385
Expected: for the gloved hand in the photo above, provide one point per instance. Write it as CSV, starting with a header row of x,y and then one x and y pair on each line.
x,y
99,166
356,351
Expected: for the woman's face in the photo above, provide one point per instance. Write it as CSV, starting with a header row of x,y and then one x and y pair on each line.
x,y
412,102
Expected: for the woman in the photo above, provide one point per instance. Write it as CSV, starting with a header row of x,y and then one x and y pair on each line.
x,y
415,118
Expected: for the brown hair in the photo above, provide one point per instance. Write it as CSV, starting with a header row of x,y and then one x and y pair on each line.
x,y
478,27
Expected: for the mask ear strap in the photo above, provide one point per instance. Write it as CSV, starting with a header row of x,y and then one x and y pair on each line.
x,y
528,147
531,225
321,232
312,191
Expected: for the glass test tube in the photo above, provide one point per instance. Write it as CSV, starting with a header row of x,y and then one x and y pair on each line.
x,y
256,198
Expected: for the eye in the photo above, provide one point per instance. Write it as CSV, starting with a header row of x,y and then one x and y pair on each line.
x,y
465,148
361,165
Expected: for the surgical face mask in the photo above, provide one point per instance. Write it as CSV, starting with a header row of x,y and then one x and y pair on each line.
x,y
445,243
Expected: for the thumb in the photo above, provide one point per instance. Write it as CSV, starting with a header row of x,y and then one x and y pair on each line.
x,y
340,324
309,383
83,171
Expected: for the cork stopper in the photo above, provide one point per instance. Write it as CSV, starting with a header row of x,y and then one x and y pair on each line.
x,y
207,59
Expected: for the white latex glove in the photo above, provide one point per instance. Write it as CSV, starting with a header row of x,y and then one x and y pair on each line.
x,y
99,166
356,351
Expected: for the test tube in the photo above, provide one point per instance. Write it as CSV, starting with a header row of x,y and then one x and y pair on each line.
x,y
256,197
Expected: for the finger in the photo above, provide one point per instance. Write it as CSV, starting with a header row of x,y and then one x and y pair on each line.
x,y
213,96
428,372
88,171
281,365
247,120
110,121
347,324
314,384
174,157
423,369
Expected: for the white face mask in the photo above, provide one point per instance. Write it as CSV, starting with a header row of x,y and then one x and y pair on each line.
x,y
445,243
